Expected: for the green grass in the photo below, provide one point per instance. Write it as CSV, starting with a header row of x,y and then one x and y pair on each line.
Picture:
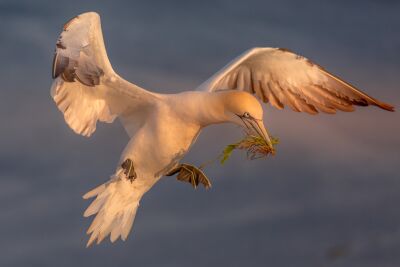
x,y
255,146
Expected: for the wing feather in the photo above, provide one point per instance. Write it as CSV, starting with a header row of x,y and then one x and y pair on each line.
x,y
272,94
86,88
281,77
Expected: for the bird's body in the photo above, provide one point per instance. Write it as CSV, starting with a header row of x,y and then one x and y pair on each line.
x,y
162,127
163,139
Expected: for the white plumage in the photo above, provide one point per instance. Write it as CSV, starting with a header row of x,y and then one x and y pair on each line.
x,y
281,77
162,127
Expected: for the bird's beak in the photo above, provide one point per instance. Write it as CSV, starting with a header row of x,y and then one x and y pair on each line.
x,y
257,128
266,136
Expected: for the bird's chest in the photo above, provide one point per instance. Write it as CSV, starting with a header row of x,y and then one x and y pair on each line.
x,y
175,138
160,144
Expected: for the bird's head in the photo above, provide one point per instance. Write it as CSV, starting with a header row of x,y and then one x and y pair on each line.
x,y
246,111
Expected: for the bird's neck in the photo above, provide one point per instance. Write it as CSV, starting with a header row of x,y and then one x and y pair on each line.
x,y
206,108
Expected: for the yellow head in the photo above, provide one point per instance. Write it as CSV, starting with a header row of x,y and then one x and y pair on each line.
x,y
245,110
239,103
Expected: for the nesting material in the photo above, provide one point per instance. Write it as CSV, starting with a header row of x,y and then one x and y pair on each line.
x,y
255,146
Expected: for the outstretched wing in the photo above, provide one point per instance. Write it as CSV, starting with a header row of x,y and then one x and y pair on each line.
x,y
86,88
281,77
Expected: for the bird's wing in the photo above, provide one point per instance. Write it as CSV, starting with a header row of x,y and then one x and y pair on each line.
x,y
85,87
281,77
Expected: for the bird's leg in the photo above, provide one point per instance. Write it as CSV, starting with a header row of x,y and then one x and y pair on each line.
x,y
129,170
191,174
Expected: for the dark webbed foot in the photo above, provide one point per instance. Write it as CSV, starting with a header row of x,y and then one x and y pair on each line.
x,y
191,174
129,170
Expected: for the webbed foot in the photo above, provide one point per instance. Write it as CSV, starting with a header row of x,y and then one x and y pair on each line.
x,y
129,170
191,174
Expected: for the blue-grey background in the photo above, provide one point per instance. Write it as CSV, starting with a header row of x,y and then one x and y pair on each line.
x,y
330,197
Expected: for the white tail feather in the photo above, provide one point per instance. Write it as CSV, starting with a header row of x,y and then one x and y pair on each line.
x,y
115,206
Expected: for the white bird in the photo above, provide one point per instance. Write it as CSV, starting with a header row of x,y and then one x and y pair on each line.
x,y
162,127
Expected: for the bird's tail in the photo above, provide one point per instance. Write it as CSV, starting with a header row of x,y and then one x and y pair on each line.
x,y
115,206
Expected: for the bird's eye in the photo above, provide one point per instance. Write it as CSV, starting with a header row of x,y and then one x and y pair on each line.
x,y
246,115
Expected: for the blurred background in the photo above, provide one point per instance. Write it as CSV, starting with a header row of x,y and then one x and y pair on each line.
x,y
330,197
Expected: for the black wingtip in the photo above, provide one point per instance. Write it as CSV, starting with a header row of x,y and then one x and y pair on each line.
x,y
60,64
386,106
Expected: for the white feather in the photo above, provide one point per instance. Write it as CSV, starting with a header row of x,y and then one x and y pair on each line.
x,y
290,79
115,211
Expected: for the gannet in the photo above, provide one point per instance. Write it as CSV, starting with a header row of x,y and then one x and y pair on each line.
x,y
162,127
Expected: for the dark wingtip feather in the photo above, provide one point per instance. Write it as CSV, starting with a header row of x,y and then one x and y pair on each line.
x,y
385,106
60,64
